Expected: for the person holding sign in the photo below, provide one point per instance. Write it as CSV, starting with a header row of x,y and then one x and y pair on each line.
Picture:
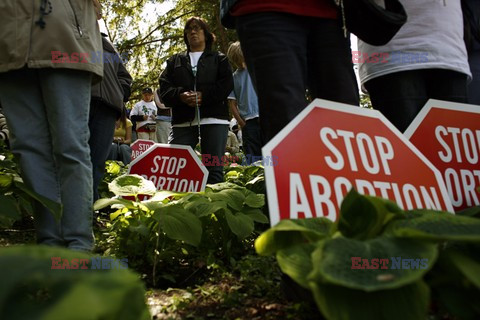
x,y
196,84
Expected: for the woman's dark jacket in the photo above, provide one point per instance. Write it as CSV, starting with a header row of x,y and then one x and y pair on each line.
x,y
214,80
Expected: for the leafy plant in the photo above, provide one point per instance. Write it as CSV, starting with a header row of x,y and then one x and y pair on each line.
x,y
16,199
341,262
31,289
174,230
250,177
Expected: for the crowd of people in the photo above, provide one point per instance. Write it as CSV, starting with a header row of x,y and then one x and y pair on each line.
x,y
74,116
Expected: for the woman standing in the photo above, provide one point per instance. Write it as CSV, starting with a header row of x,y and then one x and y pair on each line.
x,y
196,84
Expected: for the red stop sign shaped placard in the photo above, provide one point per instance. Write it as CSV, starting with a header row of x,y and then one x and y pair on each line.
x,y
140,146
329,148
171,167
448,134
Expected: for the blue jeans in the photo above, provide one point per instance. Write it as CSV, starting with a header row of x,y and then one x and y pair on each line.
x,y
47,112
213,142
120,152
287,54
102,126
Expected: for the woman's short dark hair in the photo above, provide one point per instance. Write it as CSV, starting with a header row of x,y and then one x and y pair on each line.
x,y
209,37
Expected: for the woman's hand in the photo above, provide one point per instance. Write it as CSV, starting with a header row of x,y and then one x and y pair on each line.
x,y
191,98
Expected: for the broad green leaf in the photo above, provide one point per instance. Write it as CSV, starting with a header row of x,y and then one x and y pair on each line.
x,y
256,215
8,207
131,185
296,262
291,232
459,301
469,267
160,196
233,197
179,224
361,217
335,259
222,186
103,203
255,200
55,208
31,289
240,224
5,180
339,303
437,226
470,212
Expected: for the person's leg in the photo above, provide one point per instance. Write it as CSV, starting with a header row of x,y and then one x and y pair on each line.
x,y
214,141
102,126
67,99
447,85
275,49
399,96
330,67
252,139
125,153
114,152
163,131
30,142
185,136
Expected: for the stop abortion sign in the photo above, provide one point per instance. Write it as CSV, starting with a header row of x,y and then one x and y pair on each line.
x,y
448,134
330,148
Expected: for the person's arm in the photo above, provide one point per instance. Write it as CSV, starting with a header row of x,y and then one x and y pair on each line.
x,y
128,135
232,103
169,91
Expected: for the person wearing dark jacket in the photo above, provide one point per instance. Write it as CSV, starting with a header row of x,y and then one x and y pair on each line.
x,y
106,106
195,85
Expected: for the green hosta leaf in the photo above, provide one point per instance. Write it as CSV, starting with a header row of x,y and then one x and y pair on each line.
x,y
296,262
240,224
361,217
291,232
233,197
55,208
103,203
131,185
469,267
8,207
434,225
470,212
255,200
179,224
222,186
6,180
340,303
32,290
256,215
333,262
459,301
140,229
